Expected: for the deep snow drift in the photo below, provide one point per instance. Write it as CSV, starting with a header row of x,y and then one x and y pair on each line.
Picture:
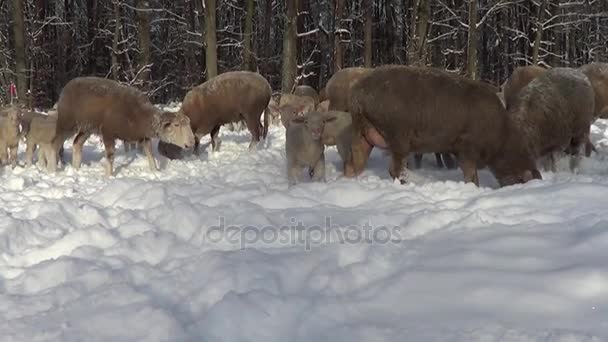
x,y
217,248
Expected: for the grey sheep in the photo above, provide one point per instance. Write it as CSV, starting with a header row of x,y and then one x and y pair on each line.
x,y
304,146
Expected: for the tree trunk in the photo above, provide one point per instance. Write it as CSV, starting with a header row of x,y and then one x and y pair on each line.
x,y
92,17
539,31
20,64
417,46
247,65
368,10
115,66
398,14
472,41
143,38
290,67
210,39
338,53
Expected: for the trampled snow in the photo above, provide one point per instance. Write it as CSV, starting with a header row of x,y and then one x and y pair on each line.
x,y
218,248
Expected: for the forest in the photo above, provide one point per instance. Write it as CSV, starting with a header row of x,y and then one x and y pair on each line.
x,y
165,47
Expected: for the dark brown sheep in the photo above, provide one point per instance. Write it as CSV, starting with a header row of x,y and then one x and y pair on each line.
x,y
408,109
90,105
304,90
553,113
520,78
229,97
338,86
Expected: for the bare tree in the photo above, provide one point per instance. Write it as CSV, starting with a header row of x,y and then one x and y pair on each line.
x,y
368,10
19,37
289,47
472,41
247,65
210,39
338,52
420,21
143,35
115,40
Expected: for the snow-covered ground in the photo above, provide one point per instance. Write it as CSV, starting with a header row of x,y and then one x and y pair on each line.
x,y
217,248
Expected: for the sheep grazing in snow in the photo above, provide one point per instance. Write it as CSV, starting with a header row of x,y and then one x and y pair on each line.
x,y
90,105
39,131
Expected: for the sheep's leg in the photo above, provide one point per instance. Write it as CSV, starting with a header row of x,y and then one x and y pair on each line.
x,y
197,143
79,140
439,160
579,146
396,169
29,153
147,147
318,171
253,126
294,173
3,153
215,140
109,146
13,155
417,160
360,151
469,169
50,155
448,161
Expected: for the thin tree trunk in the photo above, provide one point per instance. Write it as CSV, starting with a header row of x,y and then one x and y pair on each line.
x,y
398,50
472,41
20,64
368,10
116,38
143,37
247,65
539,31
289,48
210,39
417,46
338,52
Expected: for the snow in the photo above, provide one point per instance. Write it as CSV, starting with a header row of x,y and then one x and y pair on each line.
x,y
218,248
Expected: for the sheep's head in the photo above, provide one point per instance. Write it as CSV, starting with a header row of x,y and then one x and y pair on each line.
x,y
175,128
315,123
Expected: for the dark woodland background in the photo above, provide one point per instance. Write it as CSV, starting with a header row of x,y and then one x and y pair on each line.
x,y
165,47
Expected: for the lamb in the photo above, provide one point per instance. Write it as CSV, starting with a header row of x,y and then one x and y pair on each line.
x,y
229,97
304,146
554,113
291,106
424,110
39,131
90,105
304,90
9,135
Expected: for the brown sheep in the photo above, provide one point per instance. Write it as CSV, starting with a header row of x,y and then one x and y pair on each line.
x,y
553,113
409,109
304,90
338,86
90,105
520,78
229,97
9,134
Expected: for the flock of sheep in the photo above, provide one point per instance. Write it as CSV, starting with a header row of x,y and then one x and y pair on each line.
x,y
538,113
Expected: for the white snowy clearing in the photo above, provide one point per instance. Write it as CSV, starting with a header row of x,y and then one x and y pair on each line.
x,y
143,256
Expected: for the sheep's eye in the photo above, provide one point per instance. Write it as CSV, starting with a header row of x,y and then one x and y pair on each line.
x,y
176,124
